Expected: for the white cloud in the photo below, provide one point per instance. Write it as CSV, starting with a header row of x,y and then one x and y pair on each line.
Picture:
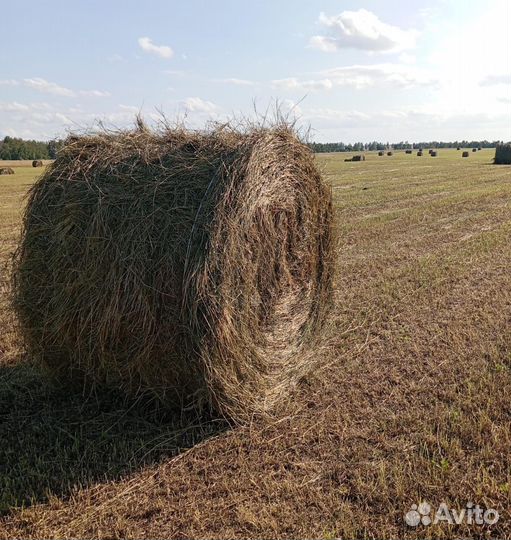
x,y
94,93
130,108
361,76
13,106
196,104
238,82
8,82
43,85
494,80
292,83
363,30
394,75
147,45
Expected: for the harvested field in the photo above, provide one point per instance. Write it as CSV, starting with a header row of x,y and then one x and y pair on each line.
x,y
412,405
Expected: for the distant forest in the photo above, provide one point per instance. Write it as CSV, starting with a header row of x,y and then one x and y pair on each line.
x,y
360,147
14,148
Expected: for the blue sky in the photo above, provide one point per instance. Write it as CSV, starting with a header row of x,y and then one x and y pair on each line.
x,y
351,70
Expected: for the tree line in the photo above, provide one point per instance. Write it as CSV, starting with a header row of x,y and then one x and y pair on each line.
x,y
403,145
12,148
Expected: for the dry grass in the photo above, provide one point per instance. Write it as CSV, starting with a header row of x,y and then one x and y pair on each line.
x,y
414,404
193,267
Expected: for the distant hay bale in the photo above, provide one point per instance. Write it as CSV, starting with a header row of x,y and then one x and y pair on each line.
x,y
347,159
480,148
503,154
389,153
474,149
465,154
458,148
358,158
433,153
381,153
408,151
37,163
195,267
419,153
6,170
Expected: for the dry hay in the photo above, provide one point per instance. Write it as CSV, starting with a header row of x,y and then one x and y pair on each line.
x,y
433,153
6,170
419,153
503,154
458,148
465,154
389,153
37,163
195,267
408,151
474,149
381,153
358,158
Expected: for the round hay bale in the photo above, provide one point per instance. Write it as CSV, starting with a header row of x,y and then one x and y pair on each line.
x,y
381,153
458,148
465,154
433,153
474,149
37,163
503,154
419,153
358,158
6,170
389,153
480,148
191,266
408,151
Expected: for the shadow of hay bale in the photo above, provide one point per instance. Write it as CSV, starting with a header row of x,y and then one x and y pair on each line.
x,y
54,439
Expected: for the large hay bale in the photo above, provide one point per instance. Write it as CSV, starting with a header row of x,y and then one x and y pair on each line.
x,y
433,153
408,151
37,163
193,266
358,158
503,154
389,153
381,153
474,149
465,154
6,170
419,153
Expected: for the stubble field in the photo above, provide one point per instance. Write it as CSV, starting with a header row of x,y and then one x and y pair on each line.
x,y
412,403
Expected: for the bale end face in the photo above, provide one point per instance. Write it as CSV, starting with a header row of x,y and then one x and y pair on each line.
x,y
195,267
37,163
